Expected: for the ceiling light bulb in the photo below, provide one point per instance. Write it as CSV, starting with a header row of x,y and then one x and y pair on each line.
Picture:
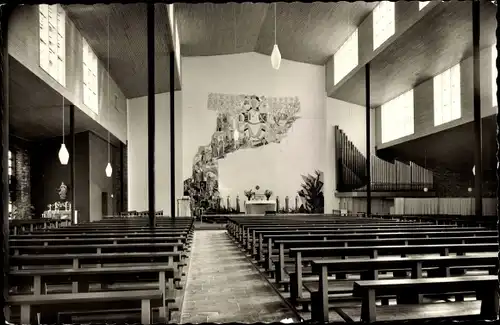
x,y
109,170
276,57
469,189
63,154
426,189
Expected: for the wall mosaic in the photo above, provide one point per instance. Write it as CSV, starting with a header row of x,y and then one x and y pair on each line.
x,y
243,122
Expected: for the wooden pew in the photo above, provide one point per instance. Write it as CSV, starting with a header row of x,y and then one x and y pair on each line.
x,y
264,234
279,268
89,234
304,254
370,268
105,240
242,230
486,288
247,240
31,304
162,275
385,233
96,248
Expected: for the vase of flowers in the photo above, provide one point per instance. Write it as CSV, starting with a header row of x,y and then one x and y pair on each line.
x,y
267,194
249,194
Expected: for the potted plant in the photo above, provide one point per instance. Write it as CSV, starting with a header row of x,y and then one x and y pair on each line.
x,y
268,194
312,193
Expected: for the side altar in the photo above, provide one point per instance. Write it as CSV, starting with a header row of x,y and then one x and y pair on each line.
x,y
60,210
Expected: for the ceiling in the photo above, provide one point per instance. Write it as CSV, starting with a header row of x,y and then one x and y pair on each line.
x,y
438,41
305,32
36,108
452,148
128,42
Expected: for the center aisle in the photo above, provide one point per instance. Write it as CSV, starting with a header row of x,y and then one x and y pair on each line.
x,y
223,286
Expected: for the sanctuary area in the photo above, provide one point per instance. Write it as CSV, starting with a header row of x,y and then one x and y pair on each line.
x,y
329,162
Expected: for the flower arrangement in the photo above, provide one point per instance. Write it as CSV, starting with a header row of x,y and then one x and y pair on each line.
x,y
268,194
249,194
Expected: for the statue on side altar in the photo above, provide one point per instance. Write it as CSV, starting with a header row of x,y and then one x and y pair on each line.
x,y
62,190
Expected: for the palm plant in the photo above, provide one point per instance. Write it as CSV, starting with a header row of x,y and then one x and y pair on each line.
x,y
312,193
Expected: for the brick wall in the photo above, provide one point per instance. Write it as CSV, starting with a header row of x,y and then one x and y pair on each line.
x,y
21,193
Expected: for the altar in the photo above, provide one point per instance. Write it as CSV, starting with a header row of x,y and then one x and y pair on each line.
x,y
259,206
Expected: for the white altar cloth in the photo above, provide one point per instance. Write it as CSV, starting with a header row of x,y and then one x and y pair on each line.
x,y
259,206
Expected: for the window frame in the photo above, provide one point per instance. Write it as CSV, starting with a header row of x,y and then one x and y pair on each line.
x,y
380,18
447,97
399,111
349,49
422,5
90,77
52,41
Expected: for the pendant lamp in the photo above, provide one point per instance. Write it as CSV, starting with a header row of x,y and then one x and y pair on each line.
x,y
109,169
63,152
275,55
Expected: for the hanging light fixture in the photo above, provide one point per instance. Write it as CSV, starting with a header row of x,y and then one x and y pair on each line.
x,y
63,152
109,169
275,55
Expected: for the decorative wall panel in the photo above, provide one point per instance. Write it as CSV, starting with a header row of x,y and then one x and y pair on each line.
x,y
243,122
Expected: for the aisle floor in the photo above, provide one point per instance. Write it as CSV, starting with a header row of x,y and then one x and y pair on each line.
x,y
223,286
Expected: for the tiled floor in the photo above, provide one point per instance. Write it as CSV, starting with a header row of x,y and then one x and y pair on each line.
x,y
222,286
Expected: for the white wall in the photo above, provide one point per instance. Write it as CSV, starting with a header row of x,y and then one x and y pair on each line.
x,y
274,166
137,134
23,45
351,119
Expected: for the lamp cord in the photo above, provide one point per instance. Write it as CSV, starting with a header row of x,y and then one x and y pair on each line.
x,y
109,155
275,23
63,120
234,20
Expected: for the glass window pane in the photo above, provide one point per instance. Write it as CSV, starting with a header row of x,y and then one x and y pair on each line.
x,y
494,71
422,4
447,96
383,23
346,58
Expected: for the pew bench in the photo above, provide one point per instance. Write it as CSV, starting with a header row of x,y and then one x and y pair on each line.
x,y
108,234
284,245
485,287
79,260
82,278
307,254
51,304
369,269
86,241
96,248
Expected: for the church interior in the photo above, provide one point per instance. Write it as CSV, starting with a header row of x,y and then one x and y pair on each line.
x,y
329,162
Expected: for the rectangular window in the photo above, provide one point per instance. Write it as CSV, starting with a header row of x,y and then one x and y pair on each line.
x,y
90,81
397,117
422,4
52,40
346,58
384,23
494,74
447,99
